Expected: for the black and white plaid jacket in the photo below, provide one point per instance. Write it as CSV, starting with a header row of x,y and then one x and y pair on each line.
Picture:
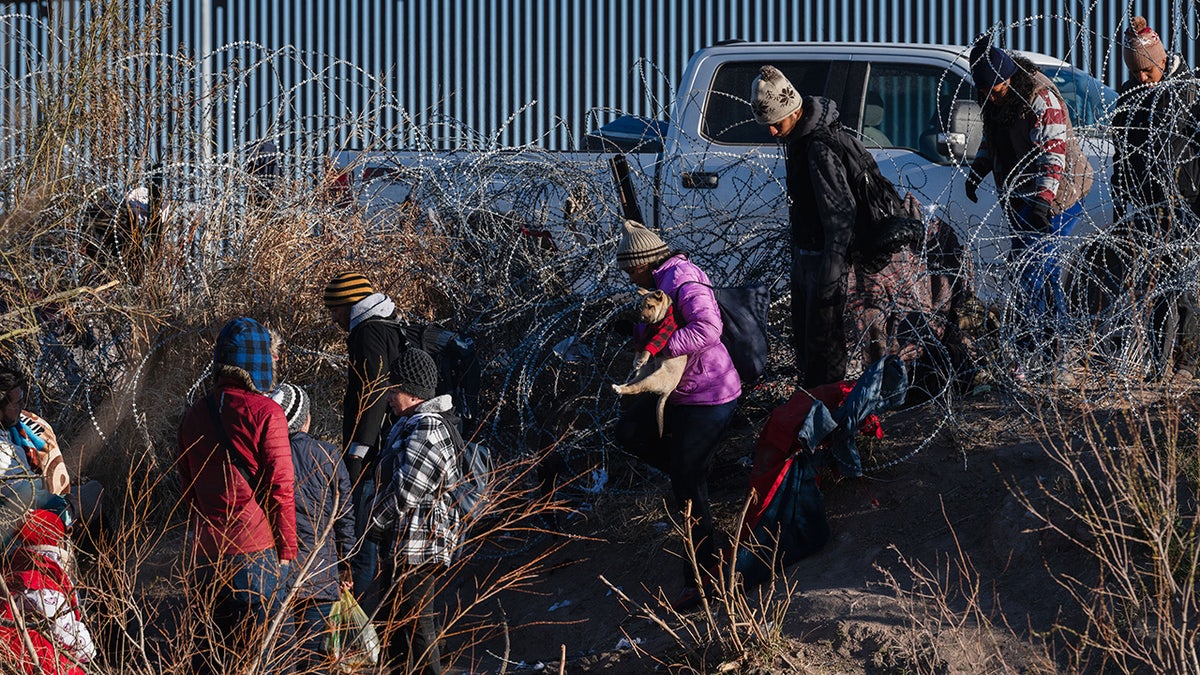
x,y
418,465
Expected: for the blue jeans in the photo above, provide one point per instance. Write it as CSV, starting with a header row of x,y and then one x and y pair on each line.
x,y
364,563
312,627
1040,265
241,596
685,453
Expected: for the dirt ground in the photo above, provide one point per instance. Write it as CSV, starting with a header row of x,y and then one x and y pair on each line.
x,y
954,499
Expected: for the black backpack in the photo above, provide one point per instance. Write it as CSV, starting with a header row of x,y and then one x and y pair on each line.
x,y
744,320
882,226
459,369
473,490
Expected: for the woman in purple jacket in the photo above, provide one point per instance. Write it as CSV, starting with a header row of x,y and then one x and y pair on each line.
x,y
700,408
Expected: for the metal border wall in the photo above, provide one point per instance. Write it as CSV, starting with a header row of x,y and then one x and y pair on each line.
x,y
481,61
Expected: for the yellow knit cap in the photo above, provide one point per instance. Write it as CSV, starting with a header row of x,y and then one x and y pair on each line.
x,y
347,288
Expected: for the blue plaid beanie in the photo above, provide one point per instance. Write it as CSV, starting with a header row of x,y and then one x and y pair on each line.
x,y
990,65
244,344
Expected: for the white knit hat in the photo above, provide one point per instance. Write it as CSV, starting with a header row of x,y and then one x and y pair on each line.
x,y
772,96
639,246
294,402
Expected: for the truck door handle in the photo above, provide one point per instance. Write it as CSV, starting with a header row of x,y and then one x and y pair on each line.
x,y
699,180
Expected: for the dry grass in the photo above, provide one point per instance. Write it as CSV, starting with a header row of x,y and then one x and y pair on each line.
x,y
734,630
1122,497
114,316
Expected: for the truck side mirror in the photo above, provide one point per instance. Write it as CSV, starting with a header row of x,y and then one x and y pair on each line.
x,y
964,131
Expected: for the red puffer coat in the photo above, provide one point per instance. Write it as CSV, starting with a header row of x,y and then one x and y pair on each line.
x,y
226,519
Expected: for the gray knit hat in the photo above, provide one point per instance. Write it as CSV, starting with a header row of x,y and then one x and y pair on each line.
x,y
294,402
415,373
639,246
772,96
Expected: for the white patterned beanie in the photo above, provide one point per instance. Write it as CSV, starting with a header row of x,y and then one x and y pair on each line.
x,y
294,402
772,96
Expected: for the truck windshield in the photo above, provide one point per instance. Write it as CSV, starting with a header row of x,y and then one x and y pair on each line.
x,y
727,114
1088,100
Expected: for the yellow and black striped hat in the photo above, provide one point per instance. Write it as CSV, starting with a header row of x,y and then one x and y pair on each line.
x,y
347,288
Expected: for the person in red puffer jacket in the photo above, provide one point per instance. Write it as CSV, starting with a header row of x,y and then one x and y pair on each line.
x,y
237,478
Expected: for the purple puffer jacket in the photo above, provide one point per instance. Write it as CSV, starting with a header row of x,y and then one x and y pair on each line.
x,y
709,378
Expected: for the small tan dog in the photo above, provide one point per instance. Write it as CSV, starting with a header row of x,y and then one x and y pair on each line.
x,y
654,374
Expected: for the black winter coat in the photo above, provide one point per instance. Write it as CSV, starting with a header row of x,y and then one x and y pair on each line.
x,y
822,209
372,346
822,212
1156,156
322,483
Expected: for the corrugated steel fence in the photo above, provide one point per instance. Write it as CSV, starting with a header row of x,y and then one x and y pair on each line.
x,y
515,72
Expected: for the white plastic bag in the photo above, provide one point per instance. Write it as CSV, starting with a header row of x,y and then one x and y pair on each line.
x,y
352,641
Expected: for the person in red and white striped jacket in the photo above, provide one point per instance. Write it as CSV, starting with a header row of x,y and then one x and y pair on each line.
x,y
1039,167
36,574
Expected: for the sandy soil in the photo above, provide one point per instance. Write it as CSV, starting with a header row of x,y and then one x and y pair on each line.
x,y
954,500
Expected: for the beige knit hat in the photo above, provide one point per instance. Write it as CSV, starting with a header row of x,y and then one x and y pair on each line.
x,y
772,96
639,246
1141,46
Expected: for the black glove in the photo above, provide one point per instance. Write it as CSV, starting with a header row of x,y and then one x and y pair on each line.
x,y
381,522
973,180
376,531
1034,215
354,466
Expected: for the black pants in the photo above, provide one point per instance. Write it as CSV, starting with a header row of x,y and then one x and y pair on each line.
x,y
1173,325
1170,315
818,319
410,640
685,453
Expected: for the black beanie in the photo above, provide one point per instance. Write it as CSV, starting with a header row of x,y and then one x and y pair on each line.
x,y
415,373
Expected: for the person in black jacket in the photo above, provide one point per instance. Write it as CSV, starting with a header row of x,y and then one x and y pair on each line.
x,y
822,212
1156,188
1156,159
375,339
322,498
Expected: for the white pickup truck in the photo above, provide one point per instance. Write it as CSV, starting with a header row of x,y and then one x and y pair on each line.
x,y
719,185
716,183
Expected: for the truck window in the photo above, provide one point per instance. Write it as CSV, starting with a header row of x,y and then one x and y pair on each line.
x,y
727,114
904,104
